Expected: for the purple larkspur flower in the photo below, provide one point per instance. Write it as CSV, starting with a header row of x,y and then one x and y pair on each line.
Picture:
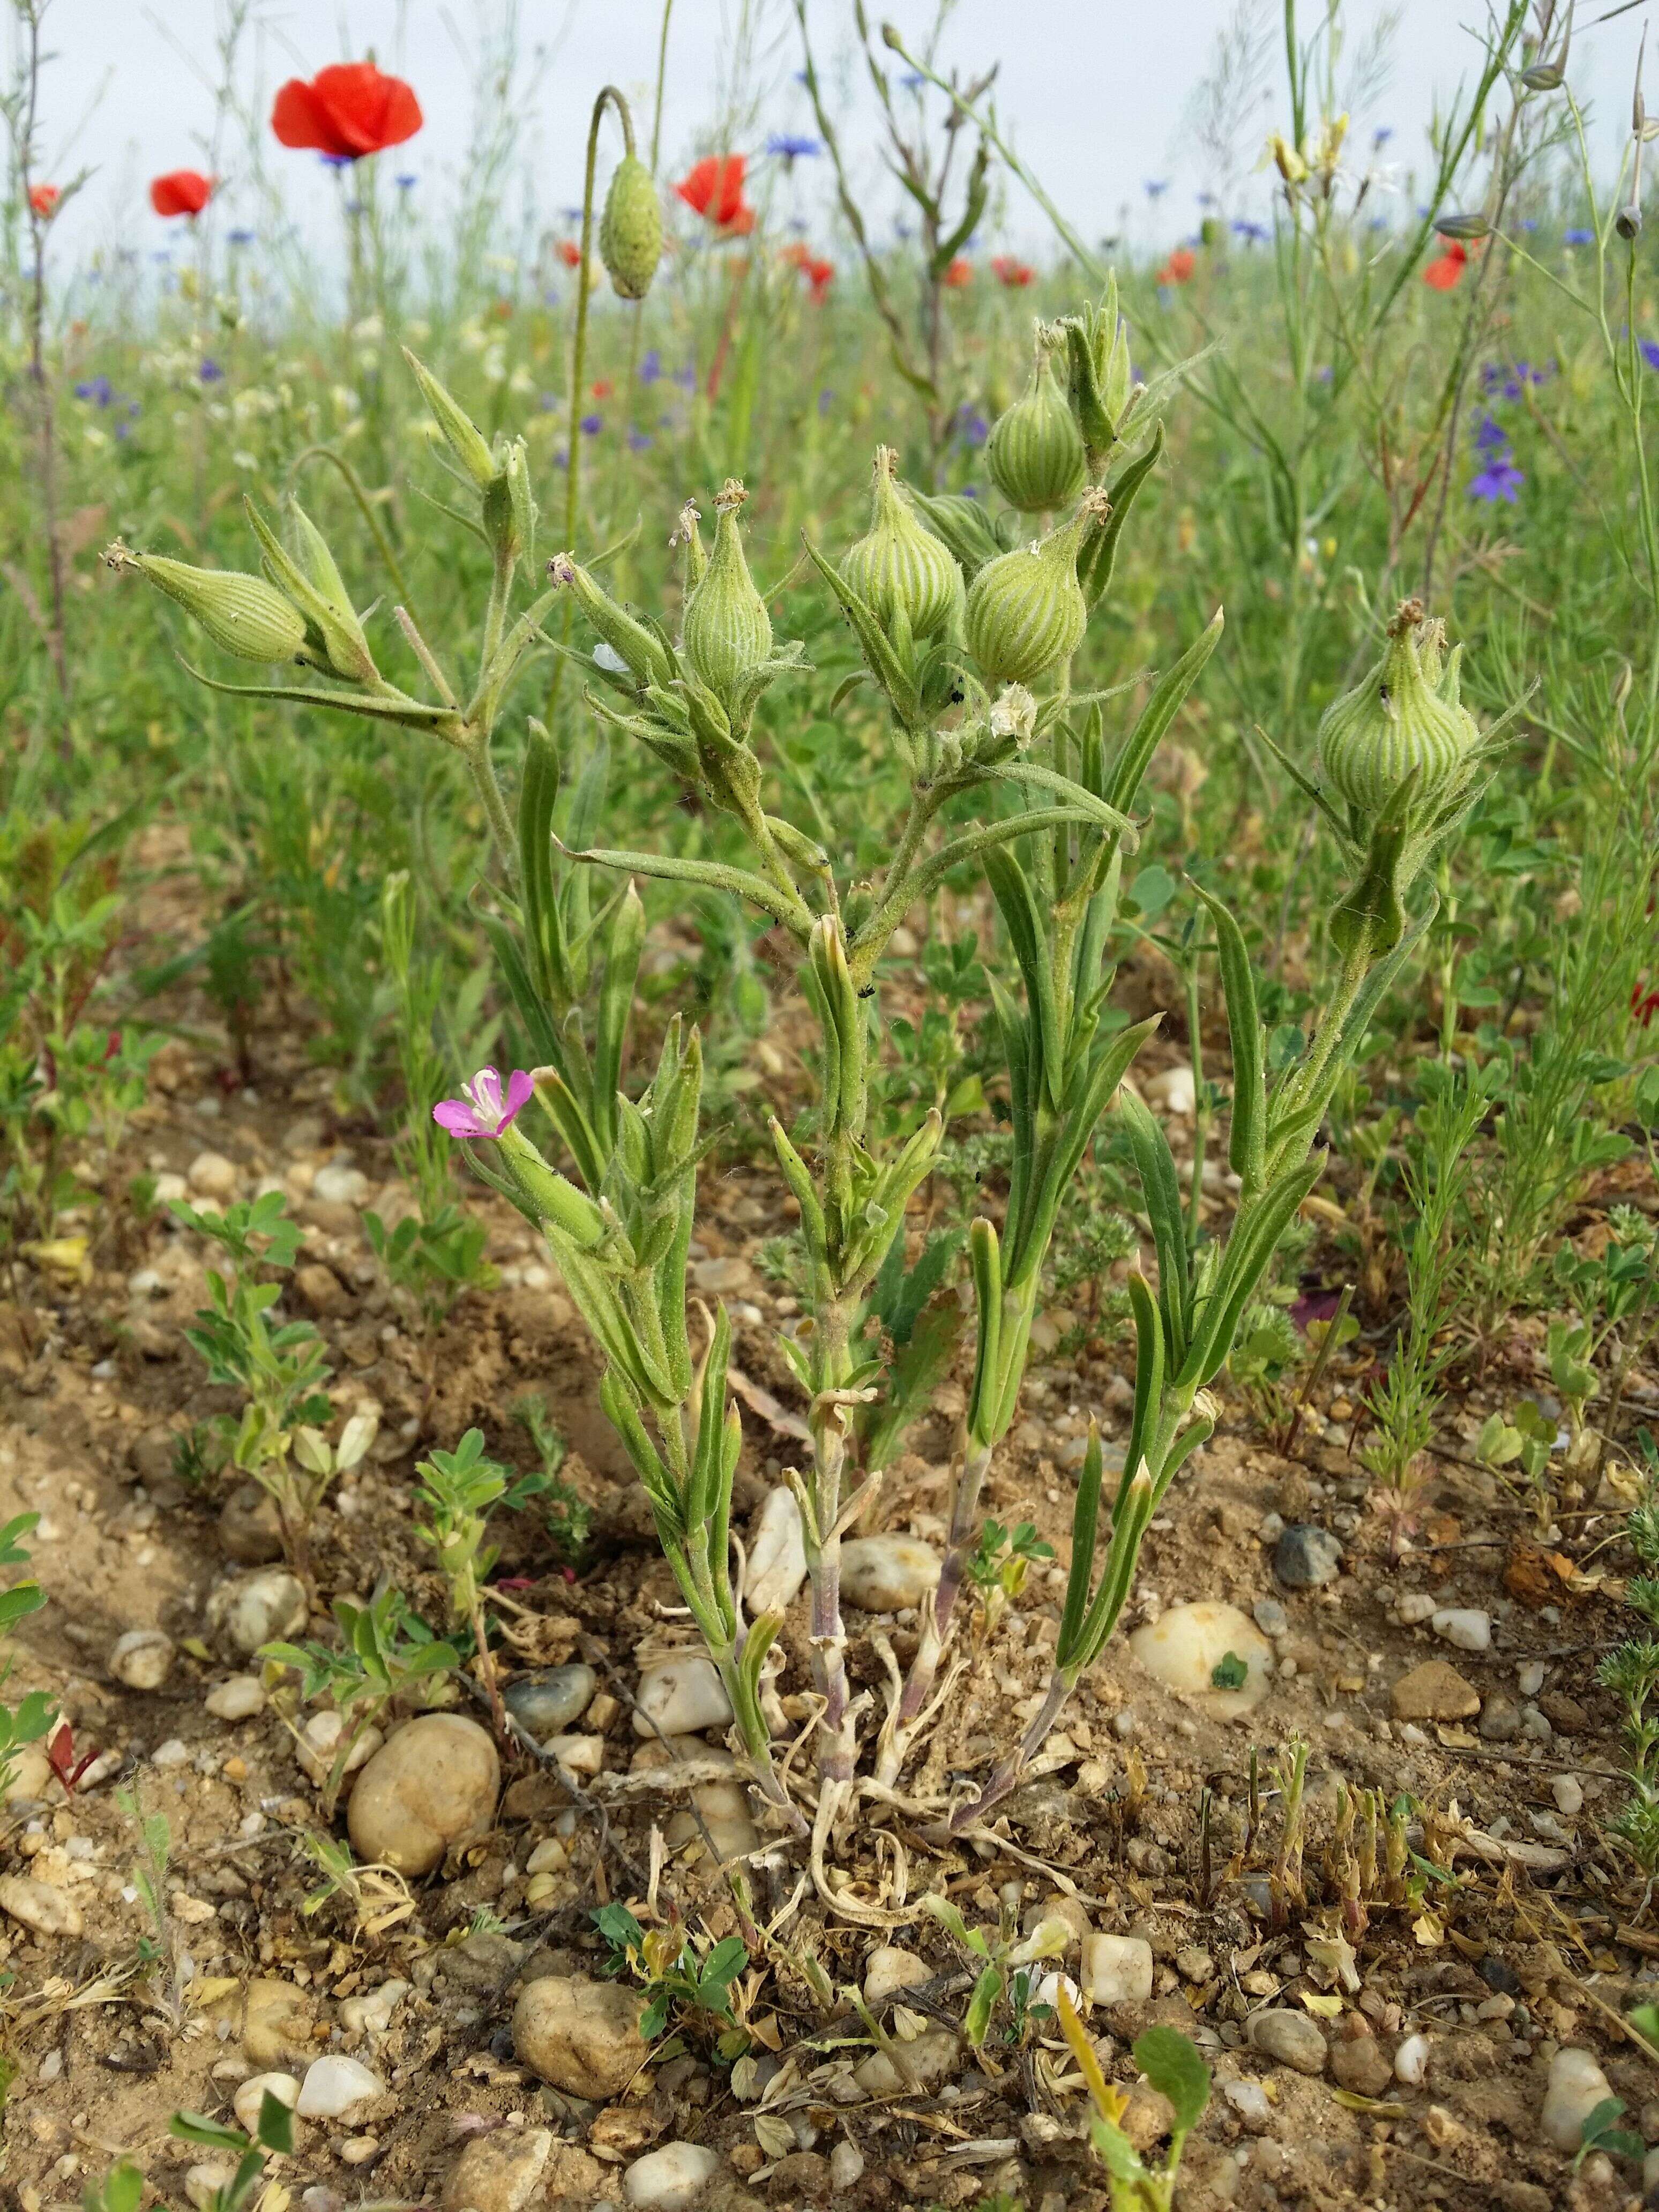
x,y
481,1110
972,428
98,389
1649,350
209,371
592,425
651,367
640,442
1499,480
1491,435
686,378
826,399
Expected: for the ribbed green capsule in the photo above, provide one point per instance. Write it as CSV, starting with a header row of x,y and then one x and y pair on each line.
x,y
1026,609
640,651
243,614
899,564
728,632
1036,453
1404,718
630,229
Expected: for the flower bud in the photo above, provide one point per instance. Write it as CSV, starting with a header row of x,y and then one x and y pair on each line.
x,y
630,230
244,614
728,633
1025,611
1036,452
899,564
345,647
461,433
1404,719
640,651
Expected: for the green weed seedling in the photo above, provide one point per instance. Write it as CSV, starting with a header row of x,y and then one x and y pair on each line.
x,y
280,1370
460,1491
158,1948
566,1514
385,1653
272,2137
1005,1965
1525,1443
1170,2062
681,1982
998,1570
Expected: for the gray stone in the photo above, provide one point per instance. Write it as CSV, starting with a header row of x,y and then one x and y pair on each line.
x,y
1500,1718
1291,2038
1269,1616
547,1703
1306,1556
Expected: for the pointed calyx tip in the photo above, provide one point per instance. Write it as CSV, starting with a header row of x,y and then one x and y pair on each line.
x,y
729,496
1407,616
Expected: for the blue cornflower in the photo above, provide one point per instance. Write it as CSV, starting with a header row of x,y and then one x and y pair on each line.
x,y
1253,233
789,147
913,80
1380,138
970,491
1649,350
592,425
1578,238
1499,480
1155,187
406,180
238,237
335,160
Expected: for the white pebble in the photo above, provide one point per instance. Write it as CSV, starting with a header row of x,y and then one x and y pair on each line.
x,y
341,1184
1529,1678
1568,1793
334,2085
1411,2061
251,2094
1576,2085
1464,1626
210,1174
670,2180
681,1695
236,1700
1117,1969
1416,1606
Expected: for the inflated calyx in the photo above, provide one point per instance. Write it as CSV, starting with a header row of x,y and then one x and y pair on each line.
x,y
899,565
1026,609
1036,453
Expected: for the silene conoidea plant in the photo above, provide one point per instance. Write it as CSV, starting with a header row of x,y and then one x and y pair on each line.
x,y
968,626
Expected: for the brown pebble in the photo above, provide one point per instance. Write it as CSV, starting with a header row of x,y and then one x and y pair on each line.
x,y
1359,2064
1433,1691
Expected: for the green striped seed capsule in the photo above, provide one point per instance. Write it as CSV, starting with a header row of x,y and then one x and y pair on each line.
x,y
728,632
900,564
1036,453
244,614
630,230
1026,609
1404,717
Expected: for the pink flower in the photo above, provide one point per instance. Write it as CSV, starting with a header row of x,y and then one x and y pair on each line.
x,y
479,1111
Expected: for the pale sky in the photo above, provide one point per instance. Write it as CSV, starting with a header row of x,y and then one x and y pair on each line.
x,y
1094,93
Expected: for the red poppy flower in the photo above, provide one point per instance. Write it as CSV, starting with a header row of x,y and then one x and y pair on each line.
x,y
1644,1003
1178,269
960,273
1016,275
714,187
44,199
603,388
181,191
1449,268
347,111
820,274
569,253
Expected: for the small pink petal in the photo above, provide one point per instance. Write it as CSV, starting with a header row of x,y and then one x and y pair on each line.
x,y
455,1116
520,1089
